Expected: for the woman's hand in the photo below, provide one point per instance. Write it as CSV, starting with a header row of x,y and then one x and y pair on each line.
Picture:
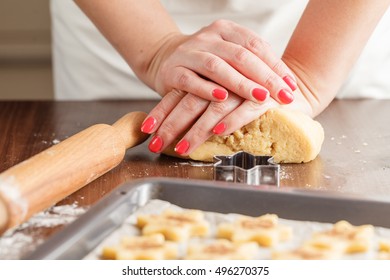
x,y
220,58
195,119
218,80
180,112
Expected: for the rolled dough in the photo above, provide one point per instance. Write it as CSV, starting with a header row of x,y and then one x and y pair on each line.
x,y
289,136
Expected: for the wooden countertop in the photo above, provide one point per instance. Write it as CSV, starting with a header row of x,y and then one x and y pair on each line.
x,y
355,156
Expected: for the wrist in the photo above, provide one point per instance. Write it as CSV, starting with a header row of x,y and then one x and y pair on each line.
x,y
312,89
151,63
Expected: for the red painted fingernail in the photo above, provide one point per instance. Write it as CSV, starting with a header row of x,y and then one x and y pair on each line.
x,y
220,94
219,128
260,94
285,96
290,82
182,147
155,144
148,125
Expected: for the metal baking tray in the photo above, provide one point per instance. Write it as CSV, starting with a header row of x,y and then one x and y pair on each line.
x,y
76,240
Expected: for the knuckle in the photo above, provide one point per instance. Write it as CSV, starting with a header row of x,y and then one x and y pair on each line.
x,y
270,81
241,56
253,106
278,67
181,48
174,95
241,85
169,101
212,63
201,36
161,111
183,80
220,23
218,108
167,130
190,103
198,134
258,44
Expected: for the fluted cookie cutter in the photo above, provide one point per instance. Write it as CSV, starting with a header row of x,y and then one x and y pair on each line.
x,y
243,167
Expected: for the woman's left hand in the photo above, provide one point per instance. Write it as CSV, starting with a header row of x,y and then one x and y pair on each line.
x,y
198,119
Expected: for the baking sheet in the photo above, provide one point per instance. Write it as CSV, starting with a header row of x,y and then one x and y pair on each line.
x,y
302,230
83,237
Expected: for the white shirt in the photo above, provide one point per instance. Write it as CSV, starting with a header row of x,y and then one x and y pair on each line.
x,y
87,67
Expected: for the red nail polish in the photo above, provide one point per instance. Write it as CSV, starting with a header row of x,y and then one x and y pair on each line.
x,y
148,125
219,128
155,144
182,147
260,94
290,82
285,96
220,94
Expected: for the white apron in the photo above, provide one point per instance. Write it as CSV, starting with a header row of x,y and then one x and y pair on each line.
x,y
87,67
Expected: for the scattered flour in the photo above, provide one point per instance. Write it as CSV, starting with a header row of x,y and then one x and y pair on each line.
x,y
21,240
196,163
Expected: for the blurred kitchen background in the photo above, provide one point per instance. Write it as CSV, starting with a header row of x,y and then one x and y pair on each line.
x,y
25,50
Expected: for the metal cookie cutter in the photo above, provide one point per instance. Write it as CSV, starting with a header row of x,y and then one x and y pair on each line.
x,y
243,167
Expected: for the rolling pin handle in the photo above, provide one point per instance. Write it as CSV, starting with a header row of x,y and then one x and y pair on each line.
x,y
128,128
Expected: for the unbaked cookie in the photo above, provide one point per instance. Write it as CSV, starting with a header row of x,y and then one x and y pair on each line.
x,y
265,230
221,249
175,225
384,249
343,238
346,237
152,247
308,252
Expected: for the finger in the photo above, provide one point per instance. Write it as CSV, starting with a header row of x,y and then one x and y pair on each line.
x,y
155,118
242,36
202,129
178,121
186,80
257,70
218,70
244,114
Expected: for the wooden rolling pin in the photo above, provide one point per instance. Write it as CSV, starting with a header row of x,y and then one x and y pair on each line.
x,y
48,177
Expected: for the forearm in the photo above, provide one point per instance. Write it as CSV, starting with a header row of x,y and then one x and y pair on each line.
x,y
137,29
327,42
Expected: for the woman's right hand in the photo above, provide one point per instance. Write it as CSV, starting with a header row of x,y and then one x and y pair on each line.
x,y
220,58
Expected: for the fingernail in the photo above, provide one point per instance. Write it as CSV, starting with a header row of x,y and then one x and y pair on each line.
x,y
219,128
220,94
155,144
148,125
285,96
182,147
260,94
290,82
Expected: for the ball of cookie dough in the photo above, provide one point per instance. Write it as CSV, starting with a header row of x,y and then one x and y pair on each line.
x,y
289,136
